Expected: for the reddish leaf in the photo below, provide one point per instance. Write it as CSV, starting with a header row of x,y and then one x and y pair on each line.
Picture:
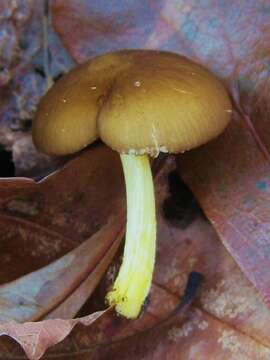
x,y
70,306
229,319
48,219
90,27
34,295
36,337
62,287
235,198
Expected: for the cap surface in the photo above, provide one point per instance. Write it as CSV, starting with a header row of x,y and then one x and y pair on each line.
x,y
66,118
136,101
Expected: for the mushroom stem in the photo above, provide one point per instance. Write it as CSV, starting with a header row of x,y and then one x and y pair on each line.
x,y
134,279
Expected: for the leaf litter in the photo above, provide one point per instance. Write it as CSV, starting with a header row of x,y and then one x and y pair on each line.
x,y
231,186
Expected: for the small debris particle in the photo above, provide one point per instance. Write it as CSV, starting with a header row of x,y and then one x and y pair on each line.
x,y
226,301
23,207
195,323
229,341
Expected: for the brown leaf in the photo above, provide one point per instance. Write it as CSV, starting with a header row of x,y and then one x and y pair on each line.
x,y
229,319
71,305
36,337
48,219
234,196
76,192
34,295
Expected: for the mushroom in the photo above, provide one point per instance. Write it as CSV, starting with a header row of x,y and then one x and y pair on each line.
x,y
140,103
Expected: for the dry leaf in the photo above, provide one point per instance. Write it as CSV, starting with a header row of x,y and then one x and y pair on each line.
x,y
229,319
48,219
29,224
33,296
36,337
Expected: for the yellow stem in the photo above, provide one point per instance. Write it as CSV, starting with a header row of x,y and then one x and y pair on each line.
x,y
134,280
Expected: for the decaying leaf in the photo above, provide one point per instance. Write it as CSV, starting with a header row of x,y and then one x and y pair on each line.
x,y
22,301
48,219
228,305
229,318
36,337
30,230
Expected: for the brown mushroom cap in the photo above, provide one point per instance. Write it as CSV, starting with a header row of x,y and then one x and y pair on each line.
x,y
136,101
